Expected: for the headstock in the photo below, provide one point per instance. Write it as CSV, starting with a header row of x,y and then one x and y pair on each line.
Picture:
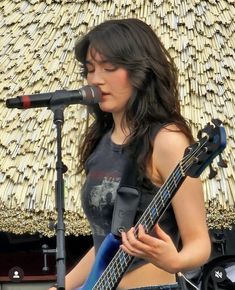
x,y
211,142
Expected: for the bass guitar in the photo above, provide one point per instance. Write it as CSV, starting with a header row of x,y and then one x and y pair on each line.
x,y
111,261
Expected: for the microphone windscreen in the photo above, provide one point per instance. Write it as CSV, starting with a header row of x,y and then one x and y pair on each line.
x,y
92,94
13,103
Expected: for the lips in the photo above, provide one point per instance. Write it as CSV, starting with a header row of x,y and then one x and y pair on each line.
x,y
103,97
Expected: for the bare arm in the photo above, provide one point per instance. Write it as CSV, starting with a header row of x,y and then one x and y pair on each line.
x,y
77,276
188,203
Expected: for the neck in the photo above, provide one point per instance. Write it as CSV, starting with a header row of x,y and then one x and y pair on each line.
x,y
121,131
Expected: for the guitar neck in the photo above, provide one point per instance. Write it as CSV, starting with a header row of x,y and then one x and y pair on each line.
x,y
112,275
161,200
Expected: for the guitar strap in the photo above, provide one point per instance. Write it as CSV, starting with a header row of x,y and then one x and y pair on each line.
x,y
127,200
128,196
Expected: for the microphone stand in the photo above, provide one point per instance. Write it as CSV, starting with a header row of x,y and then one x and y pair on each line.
x,y
58,111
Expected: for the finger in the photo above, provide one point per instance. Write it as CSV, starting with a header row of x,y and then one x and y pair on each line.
x,y
131,245
142,236
132,251
125,246
146,238
129,239
126,237
162,235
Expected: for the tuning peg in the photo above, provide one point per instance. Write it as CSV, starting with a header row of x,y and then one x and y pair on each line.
x,y
199,134
212,173
208,129
222,162
216,122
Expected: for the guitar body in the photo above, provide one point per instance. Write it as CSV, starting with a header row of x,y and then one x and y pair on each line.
x,y
107,250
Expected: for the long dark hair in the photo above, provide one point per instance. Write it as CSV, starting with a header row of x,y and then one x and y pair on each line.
x,y
133,45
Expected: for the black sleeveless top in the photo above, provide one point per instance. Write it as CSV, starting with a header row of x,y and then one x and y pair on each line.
x,y
104,169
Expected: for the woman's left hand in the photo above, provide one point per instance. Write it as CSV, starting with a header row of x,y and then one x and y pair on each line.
x,y
159,251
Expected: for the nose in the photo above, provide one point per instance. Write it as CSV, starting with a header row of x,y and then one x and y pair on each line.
x,y
95,78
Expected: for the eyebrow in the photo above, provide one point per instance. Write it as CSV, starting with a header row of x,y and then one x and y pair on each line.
x,y
87,61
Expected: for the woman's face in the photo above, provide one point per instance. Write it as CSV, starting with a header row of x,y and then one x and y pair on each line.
x,y
113,82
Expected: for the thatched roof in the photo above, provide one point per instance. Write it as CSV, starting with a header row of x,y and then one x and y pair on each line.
x,y
37,41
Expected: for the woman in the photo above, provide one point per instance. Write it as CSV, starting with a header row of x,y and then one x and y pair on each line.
x,y
138,117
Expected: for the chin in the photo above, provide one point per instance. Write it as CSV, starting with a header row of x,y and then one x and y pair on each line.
x,y
105,108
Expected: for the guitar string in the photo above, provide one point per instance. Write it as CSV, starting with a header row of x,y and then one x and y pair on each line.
x,y
123,256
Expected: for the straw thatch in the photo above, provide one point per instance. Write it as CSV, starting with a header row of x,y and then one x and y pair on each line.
x,y
37,40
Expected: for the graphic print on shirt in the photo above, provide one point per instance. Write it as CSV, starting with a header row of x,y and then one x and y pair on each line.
x,y
101,201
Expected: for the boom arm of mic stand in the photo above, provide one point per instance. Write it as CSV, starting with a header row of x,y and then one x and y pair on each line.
x,y
59,192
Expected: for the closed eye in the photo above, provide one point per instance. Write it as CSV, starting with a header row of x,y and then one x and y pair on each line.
x,y
111,68
89,67
106,66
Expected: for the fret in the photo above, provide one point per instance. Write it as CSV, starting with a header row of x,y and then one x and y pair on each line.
x,y
181,168
148,218
154,209
165,194
152,214
174,180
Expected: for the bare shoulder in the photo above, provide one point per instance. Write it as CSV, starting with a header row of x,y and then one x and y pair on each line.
x,y
170,138
168,150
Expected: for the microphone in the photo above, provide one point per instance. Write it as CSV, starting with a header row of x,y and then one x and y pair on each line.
x,y
87,95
